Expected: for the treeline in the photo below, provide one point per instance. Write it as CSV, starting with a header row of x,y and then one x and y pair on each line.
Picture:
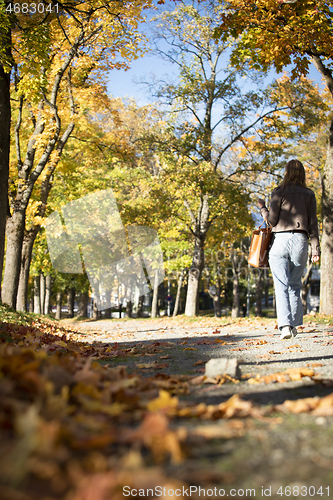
x,y
190,166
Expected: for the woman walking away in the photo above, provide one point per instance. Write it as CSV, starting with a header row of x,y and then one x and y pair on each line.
x,y
293,216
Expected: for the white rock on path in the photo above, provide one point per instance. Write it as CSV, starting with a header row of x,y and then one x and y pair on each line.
x,y
221,366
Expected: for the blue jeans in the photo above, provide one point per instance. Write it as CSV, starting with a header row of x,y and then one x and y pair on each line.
x,y
288,257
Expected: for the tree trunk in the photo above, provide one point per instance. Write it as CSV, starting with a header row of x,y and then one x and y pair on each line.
x,y
96,300
42,293
59,302
326,270
95,311
235,297
31,301
108,311
5,117
266,288
235,289
129,307
259,289
217,297
70,302
155,297
179,289
306,283
194,274
139,312
14,236
27,179
48,292
36,294
326,273
217,304
27,246
83,305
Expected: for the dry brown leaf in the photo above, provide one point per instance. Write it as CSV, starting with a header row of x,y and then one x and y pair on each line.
x,y
298,373
200,362
147,365
197,380
223,430
163,402
324,407
211,380
299,405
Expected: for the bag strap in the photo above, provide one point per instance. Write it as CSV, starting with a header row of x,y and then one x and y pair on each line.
x,y
268,224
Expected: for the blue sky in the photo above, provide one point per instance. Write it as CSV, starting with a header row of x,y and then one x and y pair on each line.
x,y
122,83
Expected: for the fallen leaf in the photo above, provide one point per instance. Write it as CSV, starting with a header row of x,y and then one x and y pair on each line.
x,y
224,430
147,365
163,402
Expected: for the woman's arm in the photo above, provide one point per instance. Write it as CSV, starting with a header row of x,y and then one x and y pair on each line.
x,y
272,215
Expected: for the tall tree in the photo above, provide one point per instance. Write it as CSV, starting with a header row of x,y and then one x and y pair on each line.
x,y
81,42
212,112
5,115
280,34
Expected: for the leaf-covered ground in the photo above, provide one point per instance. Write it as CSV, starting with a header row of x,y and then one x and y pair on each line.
x,y
85,420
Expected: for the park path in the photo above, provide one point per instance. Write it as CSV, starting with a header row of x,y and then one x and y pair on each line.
x,y
255,343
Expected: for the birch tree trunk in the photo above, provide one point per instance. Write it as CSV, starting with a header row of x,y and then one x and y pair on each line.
x,y
155,296
194,275
36,294
200,227
179,289
217,297
235,288
217,303
59,302
42,293
48,292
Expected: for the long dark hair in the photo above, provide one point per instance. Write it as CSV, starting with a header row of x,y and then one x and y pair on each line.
x,y
294,174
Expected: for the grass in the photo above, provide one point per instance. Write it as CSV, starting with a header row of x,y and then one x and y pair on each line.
x,y
9,315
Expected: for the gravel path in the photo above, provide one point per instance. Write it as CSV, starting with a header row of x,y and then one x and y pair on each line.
x,y
289,456
255,343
